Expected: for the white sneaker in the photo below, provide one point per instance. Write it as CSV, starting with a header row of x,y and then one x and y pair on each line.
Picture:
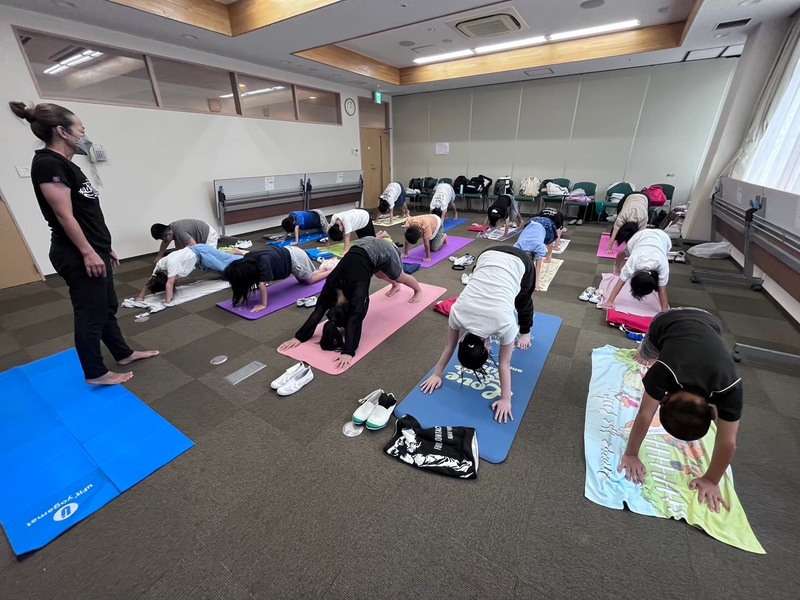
x,y
302,378
368,404
587,294
310,302
244,244
301,302
382,413
287,375
596,297
465,278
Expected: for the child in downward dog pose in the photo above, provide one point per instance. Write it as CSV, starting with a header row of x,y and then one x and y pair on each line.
x,y
503,209
444,196
501,282
645,264
303,220
693,379
534,240
631,217
556,224
430,229
259,268
345,297
393,198
345,223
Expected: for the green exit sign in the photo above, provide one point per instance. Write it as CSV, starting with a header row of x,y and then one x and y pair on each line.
x,y
378,96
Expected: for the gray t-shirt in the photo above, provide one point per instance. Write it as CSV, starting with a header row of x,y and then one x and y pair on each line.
x,y
187,229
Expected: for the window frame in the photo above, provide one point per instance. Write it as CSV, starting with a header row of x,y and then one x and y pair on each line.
x,y
149,67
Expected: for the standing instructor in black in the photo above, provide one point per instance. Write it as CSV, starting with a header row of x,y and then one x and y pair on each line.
x,y
80,245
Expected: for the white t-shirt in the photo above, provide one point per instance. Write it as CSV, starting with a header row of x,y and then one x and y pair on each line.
x,y
392,193
486,306
647,250
179,263
352,220
443,195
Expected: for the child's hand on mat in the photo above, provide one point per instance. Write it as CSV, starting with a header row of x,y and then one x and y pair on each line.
x,y
427,259
502,411
432,383
642,361
634,468
524,341
708,491
344,361
292,343
258,308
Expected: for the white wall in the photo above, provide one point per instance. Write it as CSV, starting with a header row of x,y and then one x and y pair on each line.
x,y
636,124
161,162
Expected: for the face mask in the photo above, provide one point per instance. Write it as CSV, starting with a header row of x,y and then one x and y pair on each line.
x,y
82,146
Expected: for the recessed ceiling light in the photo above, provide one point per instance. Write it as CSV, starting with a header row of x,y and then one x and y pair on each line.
x,y
65,3
408,43
592,3
189,36
749,2
444,56
663,10
531,41
565,35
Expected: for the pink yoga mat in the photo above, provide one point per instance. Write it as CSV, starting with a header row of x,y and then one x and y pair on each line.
x,y
649,306
601,248
279,295
453,245
384,317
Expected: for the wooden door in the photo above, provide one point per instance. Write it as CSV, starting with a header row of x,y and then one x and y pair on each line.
x,y
375,163
18,264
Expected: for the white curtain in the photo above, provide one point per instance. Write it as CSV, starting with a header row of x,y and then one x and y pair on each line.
x,y
770,154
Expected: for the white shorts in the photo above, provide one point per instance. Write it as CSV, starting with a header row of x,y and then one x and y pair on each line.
x,y
213,238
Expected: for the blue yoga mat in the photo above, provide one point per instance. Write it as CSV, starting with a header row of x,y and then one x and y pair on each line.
x,y
67,448
304,239
464,401
450,223
316,254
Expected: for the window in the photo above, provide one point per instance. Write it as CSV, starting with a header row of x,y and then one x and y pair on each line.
x,y
193,87
317,106
69,69
266,99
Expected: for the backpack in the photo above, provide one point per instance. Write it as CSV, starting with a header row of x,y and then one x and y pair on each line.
x,y
529,187
416,183
658,217
503,185
460,181
478,185
656,195
430,183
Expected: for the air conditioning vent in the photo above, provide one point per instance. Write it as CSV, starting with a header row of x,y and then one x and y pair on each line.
x,y
427,50
732,24
488,26
541,72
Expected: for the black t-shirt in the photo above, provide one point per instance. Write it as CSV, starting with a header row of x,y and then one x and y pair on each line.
x,y
274,263
693,356
501,205
554,215
51,167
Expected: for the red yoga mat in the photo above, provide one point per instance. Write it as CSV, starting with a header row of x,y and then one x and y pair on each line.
x,y
384,317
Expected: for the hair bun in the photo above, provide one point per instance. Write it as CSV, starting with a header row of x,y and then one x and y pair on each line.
x,y
23,112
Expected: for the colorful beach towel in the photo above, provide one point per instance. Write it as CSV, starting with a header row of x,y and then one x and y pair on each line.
x,y
615,393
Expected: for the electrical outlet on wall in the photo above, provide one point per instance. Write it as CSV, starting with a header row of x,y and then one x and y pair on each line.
x,y
24,171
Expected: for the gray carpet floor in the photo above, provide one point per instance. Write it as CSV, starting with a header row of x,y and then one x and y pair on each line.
x,y
274,502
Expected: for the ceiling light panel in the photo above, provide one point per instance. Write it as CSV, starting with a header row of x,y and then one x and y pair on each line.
x,y
568,35
446,56
531,41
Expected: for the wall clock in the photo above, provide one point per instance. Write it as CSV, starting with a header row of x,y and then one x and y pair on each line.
x,y
350,106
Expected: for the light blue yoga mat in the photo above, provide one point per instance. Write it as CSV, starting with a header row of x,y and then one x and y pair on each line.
x,y
464,401
67,448
450,223
304,239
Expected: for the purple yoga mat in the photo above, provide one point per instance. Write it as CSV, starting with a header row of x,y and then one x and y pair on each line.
x,y
453,245
279,295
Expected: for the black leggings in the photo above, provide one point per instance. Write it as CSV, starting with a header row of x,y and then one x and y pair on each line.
x,y
94,303
367,230
524,300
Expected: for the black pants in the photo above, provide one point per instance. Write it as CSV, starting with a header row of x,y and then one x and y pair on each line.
x,y
367,230
524,300
94,304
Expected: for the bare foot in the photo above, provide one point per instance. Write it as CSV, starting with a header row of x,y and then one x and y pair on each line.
x,y
138,355
110,378
415,298
444,239
393,291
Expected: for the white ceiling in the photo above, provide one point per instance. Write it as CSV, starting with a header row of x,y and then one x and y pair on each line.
x,y
273,46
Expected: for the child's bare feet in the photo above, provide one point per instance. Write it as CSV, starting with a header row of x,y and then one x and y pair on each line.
x,y
110,378
416,297
138,355
393,291
444,239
